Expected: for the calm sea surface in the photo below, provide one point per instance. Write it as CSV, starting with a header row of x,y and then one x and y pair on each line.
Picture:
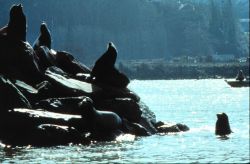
x,y
193,102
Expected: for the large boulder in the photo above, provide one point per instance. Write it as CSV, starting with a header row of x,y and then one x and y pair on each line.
x,y
171,127
109,92
68,105
69,64
39,128
18,61
69,87
11,97
124,107
52,135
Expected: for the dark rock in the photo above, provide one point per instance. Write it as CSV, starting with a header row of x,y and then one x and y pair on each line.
x,y
124,107
51,135
222,126
46,58
67,105
57,70
159,123
41,116
83,77
46,90
104,70
28,91
10,96
69,87
171,128
147,119
183,127
3,30
113,92
18,61
134,128
168,128
69,64
147,113
148,125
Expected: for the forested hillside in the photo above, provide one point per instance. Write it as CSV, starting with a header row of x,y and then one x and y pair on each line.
x,y
140,29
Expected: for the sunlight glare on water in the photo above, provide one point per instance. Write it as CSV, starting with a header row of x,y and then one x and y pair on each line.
x,y
192,102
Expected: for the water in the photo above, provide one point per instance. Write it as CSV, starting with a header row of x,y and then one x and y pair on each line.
x,y
193,102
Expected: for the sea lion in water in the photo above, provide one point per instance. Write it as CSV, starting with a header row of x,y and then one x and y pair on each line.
x,y
222,126
16,28
104,121
44,38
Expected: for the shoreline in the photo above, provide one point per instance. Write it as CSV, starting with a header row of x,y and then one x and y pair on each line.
x,y
177,71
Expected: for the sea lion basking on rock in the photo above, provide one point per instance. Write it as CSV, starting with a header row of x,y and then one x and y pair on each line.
x,y
44,39
222,126
16,28
104,70
106,62
104,121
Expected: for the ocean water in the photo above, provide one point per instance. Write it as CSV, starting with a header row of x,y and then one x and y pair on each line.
x,y
192,102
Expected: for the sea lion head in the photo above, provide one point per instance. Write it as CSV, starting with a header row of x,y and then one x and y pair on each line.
x,y
45,37
112,48
43,28
222,124
86,105
16,10
17,23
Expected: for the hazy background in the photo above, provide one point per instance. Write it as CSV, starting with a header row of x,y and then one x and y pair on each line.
x,y
141,29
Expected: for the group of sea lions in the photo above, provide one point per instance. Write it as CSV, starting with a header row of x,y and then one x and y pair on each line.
x,y
47,97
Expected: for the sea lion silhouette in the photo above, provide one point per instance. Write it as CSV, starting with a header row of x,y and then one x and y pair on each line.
x,y
222,126
105,63
44,39
104,121
16,29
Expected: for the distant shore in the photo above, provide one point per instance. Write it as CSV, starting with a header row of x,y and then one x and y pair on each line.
x,y
155,71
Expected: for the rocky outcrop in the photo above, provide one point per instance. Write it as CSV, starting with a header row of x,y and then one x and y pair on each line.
x,y
49,98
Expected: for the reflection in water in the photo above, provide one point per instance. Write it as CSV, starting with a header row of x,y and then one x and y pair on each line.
x,y
224,137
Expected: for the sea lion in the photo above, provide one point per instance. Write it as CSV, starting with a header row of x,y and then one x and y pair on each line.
x,y
44,39
222,126
105,63
16,29
104,121
104,70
